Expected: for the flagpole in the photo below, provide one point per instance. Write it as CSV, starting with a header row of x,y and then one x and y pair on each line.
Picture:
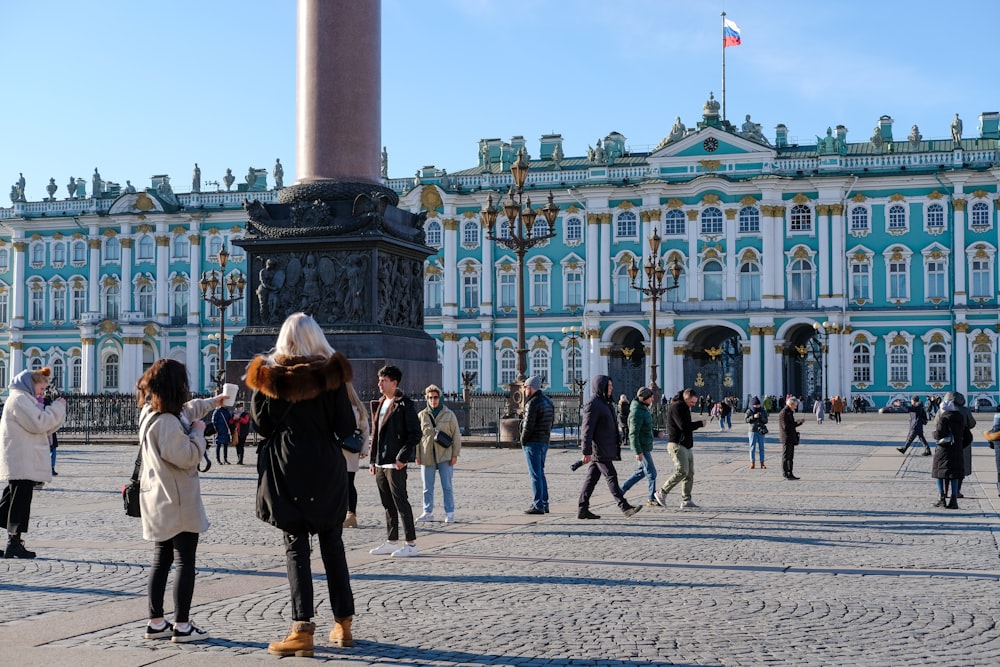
x,y
723,66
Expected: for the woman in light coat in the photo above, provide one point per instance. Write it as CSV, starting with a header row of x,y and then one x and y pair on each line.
x,y
354,459
172,443
433,458
24,452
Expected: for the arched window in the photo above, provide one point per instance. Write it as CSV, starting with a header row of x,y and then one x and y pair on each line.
x,y
76,374
112,302
626,226
112,250
146,300
982,364
800,286
935,216
623,290
859,219
574,230
712,275
899,364
214,246
539,364
3,373
540,228
470,363
574,366
937,364
711,221
508,366
750,281
433,291
433,233
979,216
111,372
862,364
79,252
179,302
470,233
4,259
58,374
507,289
897,217
58,253
146,248
800,218
182,247
749,219
861,283
38,253
673,222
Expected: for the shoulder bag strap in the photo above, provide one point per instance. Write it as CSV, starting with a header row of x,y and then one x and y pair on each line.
x,y
142,438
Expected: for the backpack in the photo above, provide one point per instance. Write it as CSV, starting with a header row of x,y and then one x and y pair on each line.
x,y
210,429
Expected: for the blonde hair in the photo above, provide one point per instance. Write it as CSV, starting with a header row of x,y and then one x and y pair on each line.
x,y
352,396
41,376
432,387
300,336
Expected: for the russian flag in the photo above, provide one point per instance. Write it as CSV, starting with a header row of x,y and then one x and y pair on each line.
x,y
730,34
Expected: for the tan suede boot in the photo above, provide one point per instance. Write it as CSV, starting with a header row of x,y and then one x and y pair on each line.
x,y
351,521
299,641
341,633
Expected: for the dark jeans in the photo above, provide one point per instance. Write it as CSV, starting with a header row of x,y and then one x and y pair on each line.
x,y
240,448
787,458
338,579
185,545
15,505
221,450
392,490
917,434
595,470
352,493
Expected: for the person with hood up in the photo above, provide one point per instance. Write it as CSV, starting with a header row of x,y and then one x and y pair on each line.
x,y
680,441
953,435
24,452
601,448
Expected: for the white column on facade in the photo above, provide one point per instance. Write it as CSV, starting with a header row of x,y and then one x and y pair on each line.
x,y
772,363
778,246
192,358
487,296
605,273
593,267
194,289
126,244
752,376
449,367
669,377
962,357
487,361
770,261
838,257
692,270
823,257
130,368
88,360
94,277
16,354
732,271
958,256
592,357
19,289
452,274
162,310
836,361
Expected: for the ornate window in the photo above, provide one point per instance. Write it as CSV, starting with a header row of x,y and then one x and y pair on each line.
x,y
861,280
112,249
897,263
508,366
982,364
4,262
574,230
540,287
433,290
574,365
58,374
4,307
979,215
626,226
78,302
179,302
573,289
937,364
111,372
896,218
862,364
182,247
539,364
214,246
433,233
899,364
75,373
59,253
980,261
470,290
503,228
750,281
507,282
59,302
470,234
800,283
711,221
800,219
712,280
37,253
145,249
859,219
936,272
749,220
540,229
79,252
146,300
37,303
470,363
112,301
623,286
935,217
673,222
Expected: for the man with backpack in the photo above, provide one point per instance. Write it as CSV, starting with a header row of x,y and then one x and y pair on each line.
x,y
918,418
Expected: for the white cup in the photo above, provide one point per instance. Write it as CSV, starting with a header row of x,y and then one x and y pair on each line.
x,y
229,390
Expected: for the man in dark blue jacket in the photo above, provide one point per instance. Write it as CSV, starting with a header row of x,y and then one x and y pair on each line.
x,y
220,419
918,417
536,429
601,447
680,442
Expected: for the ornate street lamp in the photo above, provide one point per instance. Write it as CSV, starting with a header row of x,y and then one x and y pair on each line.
x,y
213,291
575,378
519,238
655,271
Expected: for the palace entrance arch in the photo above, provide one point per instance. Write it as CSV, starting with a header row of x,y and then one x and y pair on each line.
x,y
627,362
713,362
802,363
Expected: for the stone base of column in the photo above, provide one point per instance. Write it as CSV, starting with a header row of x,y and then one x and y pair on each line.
x,y
328,190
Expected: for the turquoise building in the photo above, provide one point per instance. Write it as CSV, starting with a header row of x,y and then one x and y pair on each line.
x,y
856,269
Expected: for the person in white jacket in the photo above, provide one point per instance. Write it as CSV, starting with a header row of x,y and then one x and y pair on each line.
x,y
172,442
25,459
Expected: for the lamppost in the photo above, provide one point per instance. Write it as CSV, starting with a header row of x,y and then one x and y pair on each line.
x,y
654,288
519,238
213,290
822,332
575,377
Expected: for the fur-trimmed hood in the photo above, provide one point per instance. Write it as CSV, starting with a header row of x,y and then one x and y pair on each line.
x,y
297,379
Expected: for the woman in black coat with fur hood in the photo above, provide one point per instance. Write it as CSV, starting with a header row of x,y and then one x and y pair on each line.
x,y
300,406
948,464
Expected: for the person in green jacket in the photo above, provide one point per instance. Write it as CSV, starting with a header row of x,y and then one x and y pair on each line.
x,y
640,439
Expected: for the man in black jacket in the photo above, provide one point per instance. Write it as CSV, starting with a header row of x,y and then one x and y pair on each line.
x,y
395,435
601,448
679,444
536,429
918,417
788,432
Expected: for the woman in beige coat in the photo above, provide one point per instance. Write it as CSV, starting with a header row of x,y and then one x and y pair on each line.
x,y
25,458
353,460
172,442
435,459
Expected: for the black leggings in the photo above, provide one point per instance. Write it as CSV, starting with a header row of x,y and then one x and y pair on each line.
x,y
338,579
185,545
352,493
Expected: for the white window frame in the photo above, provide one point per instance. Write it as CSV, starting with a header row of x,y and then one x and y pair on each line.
x,y
626,226
906,259
986,254
932,210
111,250
983,363
506,366
470,234
145,243
854,215
902,219
540,279
861,363
574,230
749,220
980,215
433,234
752,275
899,359
470,284
720,275
797,214
941,274
674,222
711,221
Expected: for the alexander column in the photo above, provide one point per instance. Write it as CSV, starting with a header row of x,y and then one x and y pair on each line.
x,y
335,245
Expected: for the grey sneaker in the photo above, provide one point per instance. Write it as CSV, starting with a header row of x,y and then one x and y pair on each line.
x,y
685,504
630,511
661,497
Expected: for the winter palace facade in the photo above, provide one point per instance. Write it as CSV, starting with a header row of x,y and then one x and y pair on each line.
x,y
859,268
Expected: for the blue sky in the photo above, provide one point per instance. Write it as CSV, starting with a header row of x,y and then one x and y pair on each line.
x,y
138,88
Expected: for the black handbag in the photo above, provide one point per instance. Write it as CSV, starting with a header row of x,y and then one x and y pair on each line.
x,y
130,492
443,439
352,443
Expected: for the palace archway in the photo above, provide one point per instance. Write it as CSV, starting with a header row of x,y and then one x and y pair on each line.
x,y
713,362
627,362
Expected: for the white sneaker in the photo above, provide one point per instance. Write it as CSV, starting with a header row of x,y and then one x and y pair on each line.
x,y
405,551
661,497
449,517
687,503
426,516
385,549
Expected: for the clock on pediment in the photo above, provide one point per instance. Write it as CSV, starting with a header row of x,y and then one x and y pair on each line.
x,y
710,144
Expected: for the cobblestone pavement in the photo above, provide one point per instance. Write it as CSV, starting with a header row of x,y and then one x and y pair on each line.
x,y
849,566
